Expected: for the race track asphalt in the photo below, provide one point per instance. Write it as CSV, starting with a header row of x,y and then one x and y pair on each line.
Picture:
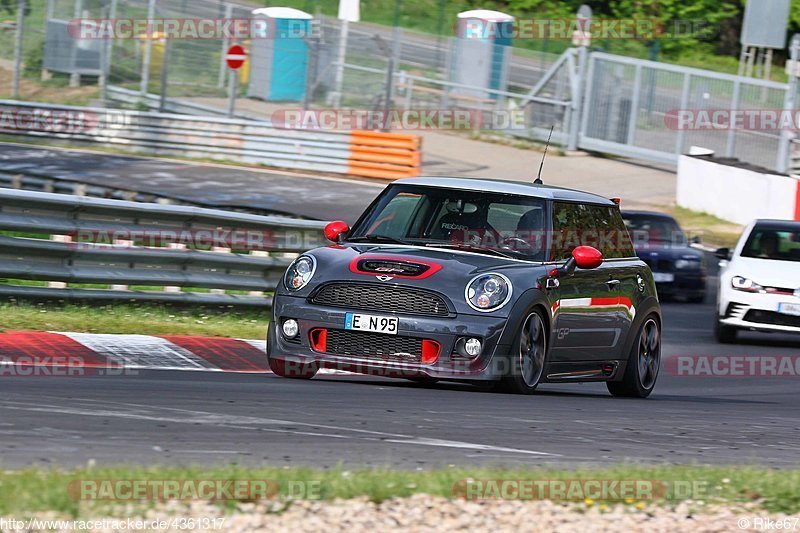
x,y
203,418
261,191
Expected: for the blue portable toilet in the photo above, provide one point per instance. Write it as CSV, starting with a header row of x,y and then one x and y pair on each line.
x,y
279,60
481,51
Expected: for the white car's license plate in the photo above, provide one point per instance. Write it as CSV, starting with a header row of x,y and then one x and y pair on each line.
x,y
789,309
377,324
663,277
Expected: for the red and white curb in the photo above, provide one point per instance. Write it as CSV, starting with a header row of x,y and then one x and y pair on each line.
x,y
170,352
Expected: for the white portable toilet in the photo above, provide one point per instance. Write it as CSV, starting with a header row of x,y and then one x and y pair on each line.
x,y
279,62
481,51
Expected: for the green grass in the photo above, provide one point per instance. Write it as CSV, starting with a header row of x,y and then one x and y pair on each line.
x,y
36,490
713,231
146,319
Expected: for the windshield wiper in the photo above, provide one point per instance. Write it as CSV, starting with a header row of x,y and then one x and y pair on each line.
x,y
375,237
469,248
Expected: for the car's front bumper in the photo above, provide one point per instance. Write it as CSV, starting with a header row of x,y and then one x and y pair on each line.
x,y
759,312
443,331
688,283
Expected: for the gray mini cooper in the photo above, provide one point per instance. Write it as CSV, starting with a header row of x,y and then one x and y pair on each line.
x,y
474,280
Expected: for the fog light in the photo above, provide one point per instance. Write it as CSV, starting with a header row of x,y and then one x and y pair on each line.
x,y
290,328
473,347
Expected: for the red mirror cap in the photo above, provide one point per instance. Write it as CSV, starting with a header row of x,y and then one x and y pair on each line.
x,y
587,257
336,228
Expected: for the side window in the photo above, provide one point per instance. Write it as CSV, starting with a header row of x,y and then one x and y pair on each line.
x,y
397,215
569,223
620,238
612,238
598,226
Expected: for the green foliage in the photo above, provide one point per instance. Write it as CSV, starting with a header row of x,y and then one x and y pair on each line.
x,y
34,59
716,23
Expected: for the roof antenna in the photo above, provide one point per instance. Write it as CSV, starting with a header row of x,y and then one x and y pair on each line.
x,y
538,180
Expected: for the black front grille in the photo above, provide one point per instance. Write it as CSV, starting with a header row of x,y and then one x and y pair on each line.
x,y
772,317
659,265
374,346
387,298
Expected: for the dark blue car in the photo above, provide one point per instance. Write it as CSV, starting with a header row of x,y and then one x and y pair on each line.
x,y
678,269
474,280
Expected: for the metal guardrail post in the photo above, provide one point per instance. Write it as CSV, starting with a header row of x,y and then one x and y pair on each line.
x,y
577,99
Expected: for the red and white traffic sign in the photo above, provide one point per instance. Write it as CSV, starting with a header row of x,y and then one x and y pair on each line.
x,y
235,57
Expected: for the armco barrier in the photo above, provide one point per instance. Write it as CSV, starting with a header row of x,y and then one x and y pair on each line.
x,y
356,153
731,191
119,243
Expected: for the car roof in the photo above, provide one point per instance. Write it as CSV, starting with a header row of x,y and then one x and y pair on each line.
x,y
776,222
636,212
507,187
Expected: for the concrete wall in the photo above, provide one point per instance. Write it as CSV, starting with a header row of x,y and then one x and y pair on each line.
x,y
736,194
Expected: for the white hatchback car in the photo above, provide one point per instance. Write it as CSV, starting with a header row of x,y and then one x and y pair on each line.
x,y
759,282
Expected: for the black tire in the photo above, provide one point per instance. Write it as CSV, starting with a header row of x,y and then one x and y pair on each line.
x,y
644,362
724,334
528,356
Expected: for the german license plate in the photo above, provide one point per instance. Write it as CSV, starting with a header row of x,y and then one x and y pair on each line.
x,y
374,323
789,309
663,277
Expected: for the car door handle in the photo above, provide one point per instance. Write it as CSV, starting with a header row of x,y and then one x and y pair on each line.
x,y
612,282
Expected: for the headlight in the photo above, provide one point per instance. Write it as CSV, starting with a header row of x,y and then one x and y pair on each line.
x,y
300,272
747,285
686,264
488,292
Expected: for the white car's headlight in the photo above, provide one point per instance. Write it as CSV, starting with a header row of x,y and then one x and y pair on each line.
x,y
747,285
300,272
488,292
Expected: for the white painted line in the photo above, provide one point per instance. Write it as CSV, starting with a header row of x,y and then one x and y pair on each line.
x,y
185,416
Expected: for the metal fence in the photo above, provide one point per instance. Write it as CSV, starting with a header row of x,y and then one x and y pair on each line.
x,y
594,100
630,107
74,246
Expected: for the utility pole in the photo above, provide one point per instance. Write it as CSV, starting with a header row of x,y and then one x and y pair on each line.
x,y
148,47
18,49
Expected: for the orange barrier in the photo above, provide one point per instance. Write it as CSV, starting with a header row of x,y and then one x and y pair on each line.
x,y
376,154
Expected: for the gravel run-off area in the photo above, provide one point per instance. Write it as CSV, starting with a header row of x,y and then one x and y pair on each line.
x,y
422,513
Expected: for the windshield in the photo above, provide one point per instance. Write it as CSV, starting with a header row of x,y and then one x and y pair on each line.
x,y
495,224
645,228
778,243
